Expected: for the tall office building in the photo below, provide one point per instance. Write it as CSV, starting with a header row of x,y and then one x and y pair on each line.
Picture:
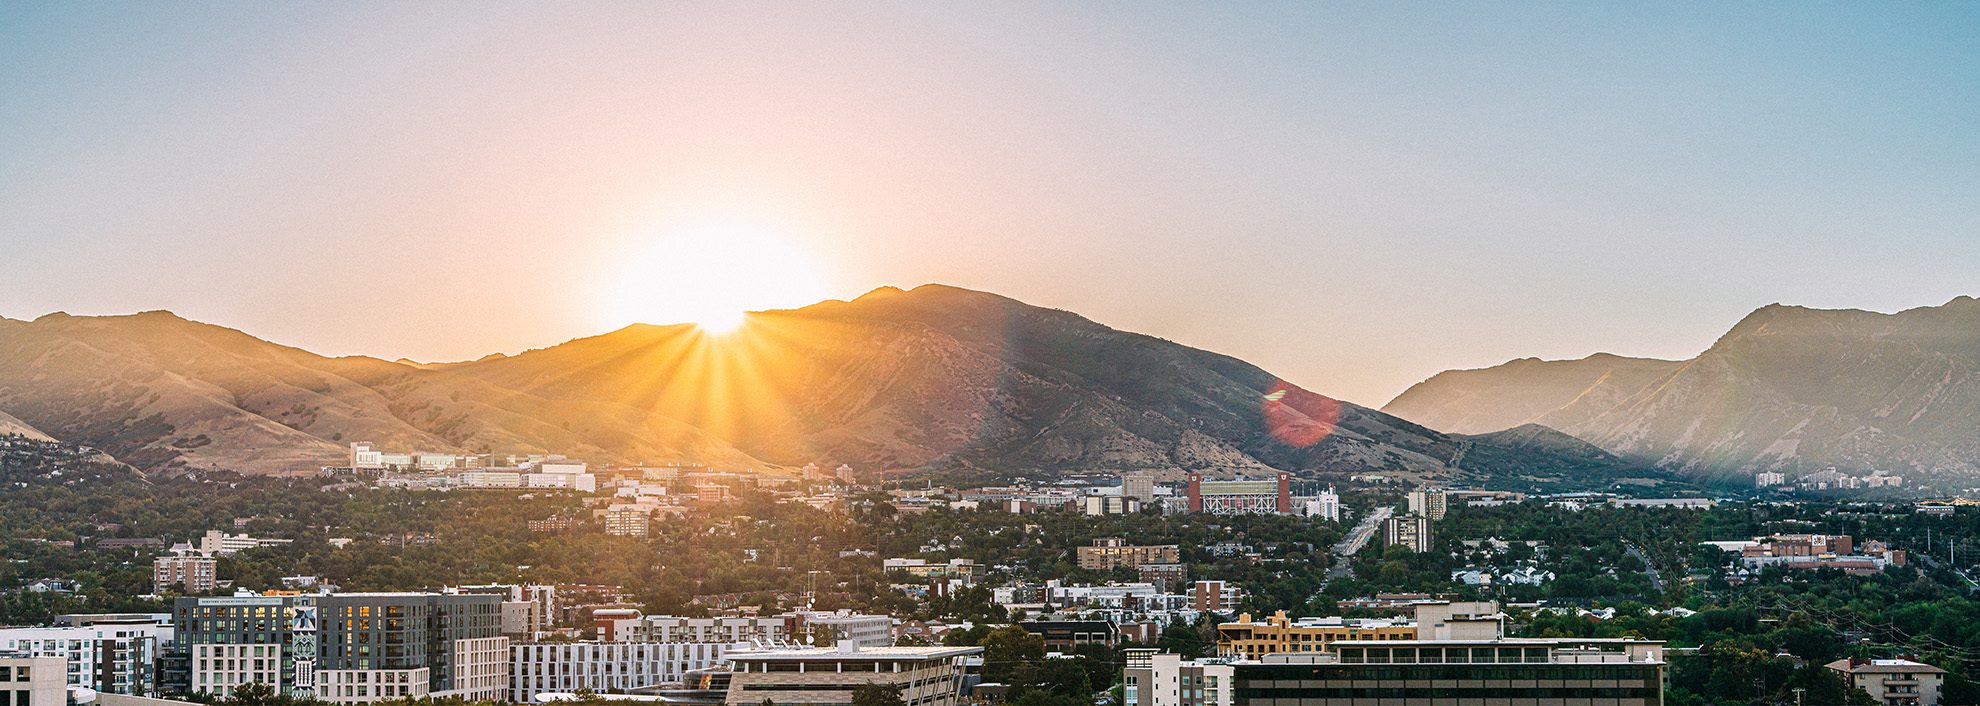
x,y
345,648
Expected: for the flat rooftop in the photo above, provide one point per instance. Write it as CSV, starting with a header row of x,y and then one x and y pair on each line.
x,y
826,654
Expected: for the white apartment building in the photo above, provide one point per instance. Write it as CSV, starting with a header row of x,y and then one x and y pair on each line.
x,y
604,667
112,657
1326,506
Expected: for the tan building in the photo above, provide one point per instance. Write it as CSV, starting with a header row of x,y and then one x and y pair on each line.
x,y
1893,682
928,676
33,681
184,573
1115,553
1440,620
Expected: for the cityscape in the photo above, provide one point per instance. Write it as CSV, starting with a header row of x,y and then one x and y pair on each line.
x,y
1029,353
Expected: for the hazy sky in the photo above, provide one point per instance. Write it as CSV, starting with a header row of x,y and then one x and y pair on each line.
x,y
1354,196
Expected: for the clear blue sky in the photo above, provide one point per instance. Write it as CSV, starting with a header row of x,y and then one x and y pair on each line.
x,y
1354,196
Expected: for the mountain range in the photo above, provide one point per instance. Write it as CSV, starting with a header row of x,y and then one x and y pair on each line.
x,y
1788,389
932,379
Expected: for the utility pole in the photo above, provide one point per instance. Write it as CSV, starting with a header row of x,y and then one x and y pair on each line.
x,y
1797,695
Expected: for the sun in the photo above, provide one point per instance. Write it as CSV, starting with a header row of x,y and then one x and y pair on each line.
x,y
711,275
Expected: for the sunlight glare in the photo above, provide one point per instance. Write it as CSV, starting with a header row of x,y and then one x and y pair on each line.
x,y
711,275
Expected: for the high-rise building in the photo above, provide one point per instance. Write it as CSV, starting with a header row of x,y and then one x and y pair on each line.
x,y
184,573
112,654
1214,596
1428,503
345,648
1412,531
1242,496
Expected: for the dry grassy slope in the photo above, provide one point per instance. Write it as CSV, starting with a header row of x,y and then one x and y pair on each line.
x,y
10,424
1557,393
948,377
161,392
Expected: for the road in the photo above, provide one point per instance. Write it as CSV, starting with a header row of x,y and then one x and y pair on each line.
x,y
1355,540
1656,581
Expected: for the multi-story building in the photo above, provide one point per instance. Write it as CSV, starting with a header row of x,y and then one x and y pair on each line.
x,y
1097,505
1893,682
1115,553
1326,506
922,568
184,573
787,629
1434,620
928,676
1412,531
345,648
1069,635
110,654
218,543
629,519
1242,496
1428,503
605,667
1506,672
1139,486
1154,678
32,681
1214,596
1165,577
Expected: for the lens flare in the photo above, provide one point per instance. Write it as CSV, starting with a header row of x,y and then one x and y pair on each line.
x,y
1296,417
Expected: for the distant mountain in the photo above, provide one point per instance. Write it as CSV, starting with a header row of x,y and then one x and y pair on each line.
x,y
160,392
937,379
1788,389
1524,391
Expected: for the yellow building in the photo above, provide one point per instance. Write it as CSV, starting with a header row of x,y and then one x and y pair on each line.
x,y
1279,634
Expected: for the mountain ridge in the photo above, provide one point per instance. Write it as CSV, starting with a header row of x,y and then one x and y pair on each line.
x,y
936,378
1786,388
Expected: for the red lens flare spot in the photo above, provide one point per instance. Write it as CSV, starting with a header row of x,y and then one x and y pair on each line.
x,y
1296,417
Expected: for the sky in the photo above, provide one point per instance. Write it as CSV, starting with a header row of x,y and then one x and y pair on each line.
x,y
1353,196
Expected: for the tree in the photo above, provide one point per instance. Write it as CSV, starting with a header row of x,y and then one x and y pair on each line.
x,y
878,695
1005,648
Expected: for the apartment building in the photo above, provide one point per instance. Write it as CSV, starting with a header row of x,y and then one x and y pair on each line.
x,y
1893,682
928,676
110,654
1115,553
32,681
605,667
218,543
345,648
1412,531
184,573
1428,503
786,629
1154,678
